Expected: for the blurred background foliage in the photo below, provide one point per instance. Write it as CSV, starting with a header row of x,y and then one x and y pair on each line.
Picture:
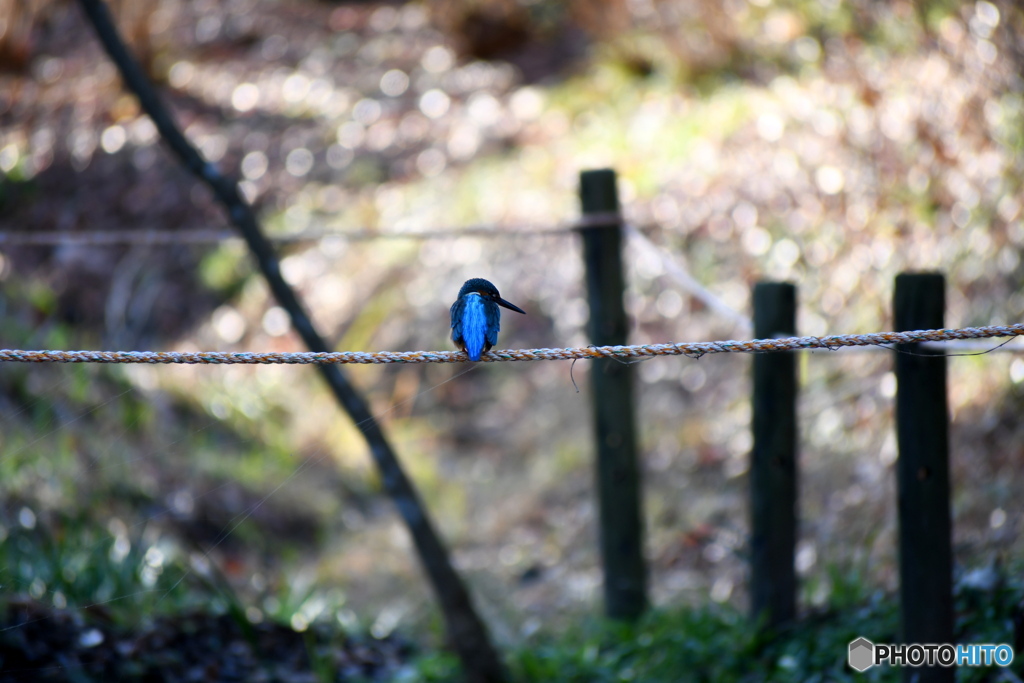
x,y
833,144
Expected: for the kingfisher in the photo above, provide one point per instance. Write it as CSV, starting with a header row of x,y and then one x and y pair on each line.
x,y
476,318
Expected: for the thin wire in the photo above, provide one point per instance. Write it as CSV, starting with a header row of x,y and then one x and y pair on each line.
x,y
622,353
102,238
968,346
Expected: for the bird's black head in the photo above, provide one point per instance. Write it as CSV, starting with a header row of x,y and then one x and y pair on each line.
x,y
488,291
480,286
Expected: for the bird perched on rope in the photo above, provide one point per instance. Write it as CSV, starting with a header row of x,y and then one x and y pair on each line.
x,y
476,318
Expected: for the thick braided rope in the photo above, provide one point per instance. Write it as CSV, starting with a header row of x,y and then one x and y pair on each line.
x,y
693,350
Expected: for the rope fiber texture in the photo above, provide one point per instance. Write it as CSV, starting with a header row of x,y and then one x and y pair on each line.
x,y
625,353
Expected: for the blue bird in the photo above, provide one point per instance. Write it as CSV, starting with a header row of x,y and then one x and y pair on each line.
x,y
476,318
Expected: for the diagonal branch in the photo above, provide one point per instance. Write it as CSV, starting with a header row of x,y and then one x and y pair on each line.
x,y
466,631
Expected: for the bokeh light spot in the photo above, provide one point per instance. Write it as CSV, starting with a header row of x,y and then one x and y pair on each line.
x,y
245,97
394,83
829,179
254,165
434,103
437,59
299,162
113,139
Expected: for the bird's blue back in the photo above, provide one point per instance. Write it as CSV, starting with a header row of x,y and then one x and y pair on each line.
x,y
475,322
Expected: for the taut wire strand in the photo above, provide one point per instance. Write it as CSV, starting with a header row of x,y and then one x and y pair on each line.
x,y
691,349
100,238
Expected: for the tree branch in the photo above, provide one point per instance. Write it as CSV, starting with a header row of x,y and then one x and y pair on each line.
x,y
466,631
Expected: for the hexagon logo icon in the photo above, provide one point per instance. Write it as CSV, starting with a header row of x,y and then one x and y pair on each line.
x,y
862,655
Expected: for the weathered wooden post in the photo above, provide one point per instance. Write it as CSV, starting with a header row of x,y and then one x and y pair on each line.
x,y
922,473
773,460
618,474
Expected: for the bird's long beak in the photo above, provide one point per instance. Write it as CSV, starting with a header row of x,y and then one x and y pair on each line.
x,y
512,307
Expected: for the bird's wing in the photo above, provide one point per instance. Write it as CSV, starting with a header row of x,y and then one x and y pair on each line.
x,y
456,312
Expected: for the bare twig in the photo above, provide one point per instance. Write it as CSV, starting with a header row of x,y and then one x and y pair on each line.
x,y
689,283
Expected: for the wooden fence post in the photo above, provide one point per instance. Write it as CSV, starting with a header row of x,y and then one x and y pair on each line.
x,y
773,460
618,474
922,473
